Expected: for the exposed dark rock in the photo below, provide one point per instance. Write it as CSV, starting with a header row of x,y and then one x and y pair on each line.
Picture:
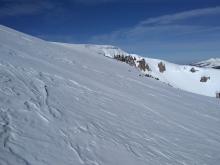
x,y
193,70
130,60
119,57
143,65
218,95
161,67
150,76
127,59
204,79
216,67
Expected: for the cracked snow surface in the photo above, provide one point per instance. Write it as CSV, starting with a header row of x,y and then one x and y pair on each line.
x,y
66,106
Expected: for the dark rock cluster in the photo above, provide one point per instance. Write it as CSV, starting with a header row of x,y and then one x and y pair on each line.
x,y
216,67
193,70
127,59
218,95
150,76
161,67
143,65
204,79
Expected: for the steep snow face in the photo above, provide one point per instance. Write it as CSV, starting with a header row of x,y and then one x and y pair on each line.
x,y
184,77
210,63
70,105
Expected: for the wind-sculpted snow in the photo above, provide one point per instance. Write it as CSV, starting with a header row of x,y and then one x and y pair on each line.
x,y
70,105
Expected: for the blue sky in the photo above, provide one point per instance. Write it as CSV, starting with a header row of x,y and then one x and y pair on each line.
x,y
174,30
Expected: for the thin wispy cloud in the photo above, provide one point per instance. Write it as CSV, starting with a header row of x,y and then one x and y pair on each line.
x,y
165,34
167,19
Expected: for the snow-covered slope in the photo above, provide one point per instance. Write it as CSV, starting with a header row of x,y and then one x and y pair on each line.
x,y
64,105
182,77
178,76
210,63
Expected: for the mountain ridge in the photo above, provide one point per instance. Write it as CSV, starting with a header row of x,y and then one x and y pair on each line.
x,y
210,63
184,77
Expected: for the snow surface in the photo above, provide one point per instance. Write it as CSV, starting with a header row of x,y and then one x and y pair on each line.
x,y
64,105
178,76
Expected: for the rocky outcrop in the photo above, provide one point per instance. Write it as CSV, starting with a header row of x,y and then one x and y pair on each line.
x,y
204,79
127,59
143,65
193,70
161,67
